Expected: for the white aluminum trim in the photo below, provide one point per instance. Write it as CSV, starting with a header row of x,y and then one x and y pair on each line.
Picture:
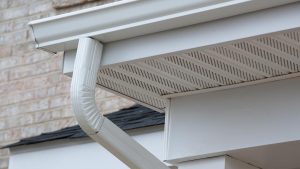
x,y
276,78
137,19
212,33
133,75
200,76
277,52
214,69
98,127
130,98
167,129
270,106
139,89
286,40
171,77
163,51
68,62
240,51
236,64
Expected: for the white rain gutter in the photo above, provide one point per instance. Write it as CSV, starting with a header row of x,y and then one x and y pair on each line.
x,y
98,127
131,18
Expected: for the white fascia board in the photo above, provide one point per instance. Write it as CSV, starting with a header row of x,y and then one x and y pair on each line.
x,y
207,34
251,123
131,18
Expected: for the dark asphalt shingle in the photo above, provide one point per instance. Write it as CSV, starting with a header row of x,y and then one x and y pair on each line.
x,y
130,118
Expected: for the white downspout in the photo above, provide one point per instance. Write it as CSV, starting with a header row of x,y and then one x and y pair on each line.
x,y
98,127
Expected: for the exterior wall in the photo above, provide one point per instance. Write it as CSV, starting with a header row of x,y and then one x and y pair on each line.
x,y
34,94
258,124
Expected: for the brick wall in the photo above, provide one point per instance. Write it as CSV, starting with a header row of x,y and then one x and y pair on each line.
x,y
34,95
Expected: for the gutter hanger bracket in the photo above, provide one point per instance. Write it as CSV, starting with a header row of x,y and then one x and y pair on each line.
x,y
98,127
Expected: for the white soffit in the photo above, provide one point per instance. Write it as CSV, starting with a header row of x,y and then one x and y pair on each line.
x,y
251,61
230,52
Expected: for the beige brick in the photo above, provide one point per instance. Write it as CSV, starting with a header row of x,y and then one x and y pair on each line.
x,y
5,50
3,163
68,3
6,27
18,24
25,107
59,124
4,152
15,3
63,88
100,93
58,101
52,114
9,62
31,83
18,97
64,112
23,48
3,76
12,134
38,55
40,6
49,126
32,130
42,116
35,117
29,58
34,69
16,121
108,105
3,4
14,38
12,13
3,124
4,143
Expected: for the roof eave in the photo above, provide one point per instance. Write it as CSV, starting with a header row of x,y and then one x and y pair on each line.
x,y
131,18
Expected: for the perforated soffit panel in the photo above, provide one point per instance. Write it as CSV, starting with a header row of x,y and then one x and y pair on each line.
x,y
242,62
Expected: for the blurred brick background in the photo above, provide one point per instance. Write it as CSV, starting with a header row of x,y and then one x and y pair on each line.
x,y
34,94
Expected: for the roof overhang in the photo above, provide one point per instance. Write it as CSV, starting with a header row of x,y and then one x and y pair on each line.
x,y
181,47
131,18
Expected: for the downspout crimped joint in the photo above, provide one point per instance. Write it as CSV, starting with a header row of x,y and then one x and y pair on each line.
x,y
98,127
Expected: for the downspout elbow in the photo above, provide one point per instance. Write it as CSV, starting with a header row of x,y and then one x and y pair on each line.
x,y
83,86
98,127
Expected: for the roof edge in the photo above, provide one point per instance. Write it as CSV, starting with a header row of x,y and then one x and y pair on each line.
x,y
105,21
128,119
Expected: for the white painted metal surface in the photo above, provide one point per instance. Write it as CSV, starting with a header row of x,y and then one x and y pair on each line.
x,y
234,56
203,35
68,64
276,156
209,163
239,121
76,154
229,65
220,54
138,18
221,162
98,127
